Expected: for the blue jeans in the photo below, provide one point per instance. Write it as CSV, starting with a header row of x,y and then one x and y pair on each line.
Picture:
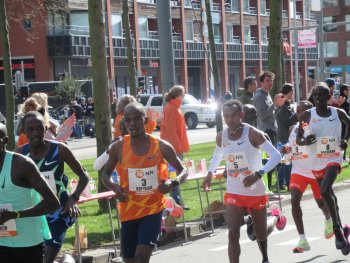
x,y
284,174
78,131
175,193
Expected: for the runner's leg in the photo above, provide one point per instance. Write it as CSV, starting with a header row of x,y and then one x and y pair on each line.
x,y
260,229
234,219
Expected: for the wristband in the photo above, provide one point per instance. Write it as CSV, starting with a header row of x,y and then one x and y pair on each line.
x,y
18,215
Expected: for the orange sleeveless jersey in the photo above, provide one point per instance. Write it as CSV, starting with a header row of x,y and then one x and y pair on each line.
x,y
148,200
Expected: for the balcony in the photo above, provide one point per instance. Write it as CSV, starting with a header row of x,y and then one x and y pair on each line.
x,y
68,30
251,52
234,51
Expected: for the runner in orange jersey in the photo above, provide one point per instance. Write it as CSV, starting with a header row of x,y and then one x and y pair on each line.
x,y
140,160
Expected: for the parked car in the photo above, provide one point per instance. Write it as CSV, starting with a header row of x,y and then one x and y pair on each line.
x,y
195,112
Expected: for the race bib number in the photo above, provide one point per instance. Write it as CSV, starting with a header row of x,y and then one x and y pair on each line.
x,y
298,152
237,163
327,147
143,181
9,228
50,178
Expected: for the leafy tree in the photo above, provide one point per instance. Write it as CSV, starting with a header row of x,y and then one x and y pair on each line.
x,y
69,89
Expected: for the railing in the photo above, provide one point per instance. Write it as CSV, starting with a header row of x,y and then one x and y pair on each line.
x,y
235,40
68,30
197,38
196,4
216,7
153,34
298,15
252,10
254,40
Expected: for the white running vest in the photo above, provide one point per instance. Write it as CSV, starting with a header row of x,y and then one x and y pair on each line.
x,y
242,159
299,156
328,134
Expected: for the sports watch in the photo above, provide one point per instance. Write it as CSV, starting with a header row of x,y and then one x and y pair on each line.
x,y
261,173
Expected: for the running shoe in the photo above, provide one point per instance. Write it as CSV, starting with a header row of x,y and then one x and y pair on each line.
x,y
346,230
281,220
328,229
302,246
340,242
250,230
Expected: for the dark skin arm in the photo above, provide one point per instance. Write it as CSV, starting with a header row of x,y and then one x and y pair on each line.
x,y
310,139
67,156
25,174
346,120
115,155
170,156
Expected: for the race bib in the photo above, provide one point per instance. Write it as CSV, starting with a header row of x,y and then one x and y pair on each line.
x,y
50,178
327,147
237,163
9,228
143,181
298,152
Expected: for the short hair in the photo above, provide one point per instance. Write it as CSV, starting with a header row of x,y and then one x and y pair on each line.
x,y
286,88
123,102
323,86
330,82
306,103
266,73
247,81
31,114
233,103
137,106
174,92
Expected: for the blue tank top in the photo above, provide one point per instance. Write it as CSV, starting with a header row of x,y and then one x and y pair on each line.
x,y
29,229
51,165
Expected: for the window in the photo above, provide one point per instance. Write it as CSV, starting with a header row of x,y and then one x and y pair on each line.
x,y
229,33
143,27
348,48
143,100
347,26
57,23
189,30
330,3
157,101
246,6
117,26
27,24
247,34
263,7
188,3
328,20
264,35
217,33
80,19
235,5
331,49
347,2
307,5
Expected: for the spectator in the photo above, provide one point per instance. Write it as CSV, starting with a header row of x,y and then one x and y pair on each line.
x,y
250,86
173,129
228,96
332,101
344,92
76,109
83,105
90,111
265,108
286,117
114,109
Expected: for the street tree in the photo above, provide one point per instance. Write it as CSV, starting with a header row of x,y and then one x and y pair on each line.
x,y
69,89
100,84
275,54
214,67
130,49
10,105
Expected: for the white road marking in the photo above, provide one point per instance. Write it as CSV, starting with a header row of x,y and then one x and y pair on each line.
x,y
241,242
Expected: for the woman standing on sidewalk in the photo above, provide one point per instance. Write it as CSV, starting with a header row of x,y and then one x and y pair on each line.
x,y
173,128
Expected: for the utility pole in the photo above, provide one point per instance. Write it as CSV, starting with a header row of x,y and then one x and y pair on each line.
x,y
167,66
321,41
296,61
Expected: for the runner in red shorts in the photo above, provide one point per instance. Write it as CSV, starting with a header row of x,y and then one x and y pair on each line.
x,y
239,143
301,177
325,147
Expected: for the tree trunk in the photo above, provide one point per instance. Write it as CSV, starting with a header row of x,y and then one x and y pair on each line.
x,y
214,68
130,49
100,84
9,96
275,44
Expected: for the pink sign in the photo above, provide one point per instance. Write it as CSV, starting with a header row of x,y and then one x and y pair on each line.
x,y
307,38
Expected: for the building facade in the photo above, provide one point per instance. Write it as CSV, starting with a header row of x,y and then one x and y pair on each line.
x,y
55,44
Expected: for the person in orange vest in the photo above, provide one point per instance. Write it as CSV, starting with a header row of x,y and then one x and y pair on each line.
x,y
173,129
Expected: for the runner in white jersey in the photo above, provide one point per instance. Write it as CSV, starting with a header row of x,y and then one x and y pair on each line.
x,y
325,149
239,144
301,177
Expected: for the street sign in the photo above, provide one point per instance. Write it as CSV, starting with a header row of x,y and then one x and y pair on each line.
x,y
307,38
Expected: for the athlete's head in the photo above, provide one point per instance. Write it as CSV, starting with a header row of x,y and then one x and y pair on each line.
x,y
321,94
135,119
303,106
34,127
250,114
3,138
122,128
233,113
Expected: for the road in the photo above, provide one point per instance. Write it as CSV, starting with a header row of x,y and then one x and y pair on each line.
x,y
86,148
214,249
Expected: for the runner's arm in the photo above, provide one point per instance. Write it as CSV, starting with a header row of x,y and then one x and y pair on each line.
x,y
300,140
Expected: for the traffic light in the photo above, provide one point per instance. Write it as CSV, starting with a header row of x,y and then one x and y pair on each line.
x,y
141,82
311,73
